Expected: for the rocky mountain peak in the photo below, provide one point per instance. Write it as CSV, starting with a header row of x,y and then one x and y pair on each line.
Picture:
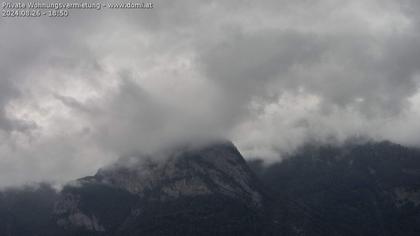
x,y
212,174
187,171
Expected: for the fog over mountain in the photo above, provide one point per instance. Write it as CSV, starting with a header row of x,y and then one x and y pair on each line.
x,y
78,92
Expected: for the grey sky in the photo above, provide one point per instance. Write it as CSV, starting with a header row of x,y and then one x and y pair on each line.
x,y
77,92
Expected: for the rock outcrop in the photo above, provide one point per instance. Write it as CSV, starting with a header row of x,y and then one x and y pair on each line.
x,y
210,185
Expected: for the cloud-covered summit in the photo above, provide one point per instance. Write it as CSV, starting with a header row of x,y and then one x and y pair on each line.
x,y
77,92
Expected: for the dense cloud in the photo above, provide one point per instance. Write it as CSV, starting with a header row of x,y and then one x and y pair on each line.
x,y
77,92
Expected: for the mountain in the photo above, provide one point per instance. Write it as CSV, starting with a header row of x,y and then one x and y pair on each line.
x,y
208,190
353,189
27,211
364,188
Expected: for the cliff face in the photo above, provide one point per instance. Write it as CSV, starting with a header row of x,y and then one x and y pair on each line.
x,y
215,169
184,191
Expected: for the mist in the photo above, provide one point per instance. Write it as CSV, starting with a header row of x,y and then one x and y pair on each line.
x,y
77,93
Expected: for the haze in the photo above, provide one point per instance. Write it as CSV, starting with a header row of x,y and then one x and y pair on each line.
x,y
78,92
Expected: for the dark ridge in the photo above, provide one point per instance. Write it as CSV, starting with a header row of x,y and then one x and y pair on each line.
x,y
354,189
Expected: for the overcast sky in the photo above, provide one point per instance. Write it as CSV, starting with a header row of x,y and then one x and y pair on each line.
x,y
77,92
